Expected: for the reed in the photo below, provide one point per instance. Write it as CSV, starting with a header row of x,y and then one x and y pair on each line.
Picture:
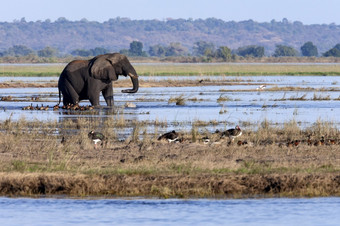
x,y
320,97
299,98
179,100
222,98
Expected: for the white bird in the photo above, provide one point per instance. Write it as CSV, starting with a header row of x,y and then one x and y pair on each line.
x,y
261,87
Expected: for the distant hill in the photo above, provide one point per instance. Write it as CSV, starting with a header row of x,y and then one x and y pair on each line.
x,y
116,34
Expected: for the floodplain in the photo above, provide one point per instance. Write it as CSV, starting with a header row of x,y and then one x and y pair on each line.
x,y
288,114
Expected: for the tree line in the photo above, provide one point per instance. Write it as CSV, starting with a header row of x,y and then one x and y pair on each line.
x,y
117,33
200,48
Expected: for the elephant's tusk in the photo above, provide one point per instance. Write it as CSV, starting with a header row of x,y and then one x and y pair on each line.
x,y
133,76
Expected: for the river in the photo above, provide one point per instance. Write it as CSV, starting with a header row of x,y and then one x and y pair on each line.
x,y
316,98
269,211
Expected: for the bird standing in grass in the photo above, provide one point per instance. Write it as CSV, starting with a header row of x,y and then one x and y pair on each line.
x,y
232,133
170,136
96,137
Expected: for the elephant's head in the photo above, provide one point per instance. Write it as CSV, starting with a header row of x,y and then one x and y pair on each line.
x,y
108,67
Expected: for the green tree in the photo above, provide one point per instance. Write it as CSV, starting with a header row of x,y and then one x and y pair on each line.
x,y
19,50
223,52
252,50
91,52
136,49
333,52
81,52
48,52
157,50
309,49
203,48
124,52
99,51
176,49
282,51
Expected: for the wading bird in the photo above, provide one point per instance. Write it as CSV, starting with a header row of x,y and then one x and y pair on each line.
x,y
96,137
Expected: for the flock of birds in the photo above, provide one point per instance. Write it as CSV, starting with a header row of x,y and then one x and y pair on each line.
x,y
174,137
233,133
38,108
311,142
6,98
75,107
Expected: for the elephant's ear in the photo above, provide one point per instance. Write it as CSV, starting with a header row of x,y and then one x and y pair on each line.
x,y
101,68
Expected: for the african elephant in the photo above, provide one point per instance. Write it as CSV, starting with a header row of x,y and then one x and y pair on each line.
x,y
85,79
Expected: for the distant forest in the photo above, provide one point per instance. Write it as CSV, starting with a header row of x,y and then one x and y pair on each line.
x,y
168,37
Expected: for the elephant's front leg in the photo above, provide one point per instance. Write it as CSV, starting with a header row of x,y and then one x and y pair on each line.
x,y
93,90
108,94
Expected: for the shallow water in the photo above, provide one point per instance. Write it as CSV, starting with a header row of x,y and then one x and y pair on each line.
x,y
243,107
273,211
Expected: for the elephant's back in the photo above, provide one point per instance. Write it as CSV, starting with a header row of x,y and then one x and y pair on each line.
x,y
75,74
76,65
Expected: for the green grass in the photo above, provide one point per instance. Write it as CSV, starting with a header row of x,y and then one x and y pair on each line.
x,y
226,69
229,69
31,70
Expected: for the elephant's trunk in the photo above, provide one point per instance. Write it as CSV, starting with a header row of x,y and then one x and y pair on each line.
x,y
134,80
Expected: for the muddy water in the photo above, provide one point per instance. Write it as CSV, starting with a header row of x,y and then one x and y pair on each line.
x,y
240,106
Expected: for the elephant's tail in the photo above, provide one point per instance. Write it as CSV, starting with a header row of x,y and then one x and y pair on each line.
x,y
59,96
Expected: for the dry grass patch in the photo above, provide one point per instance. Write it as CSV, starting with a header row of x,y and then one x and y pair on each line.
x,y
34,161
179,100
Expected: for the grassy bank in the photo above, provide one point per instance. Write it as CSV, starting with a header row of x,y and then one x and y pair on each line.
x,y
238,69
31,70
35,162
159,69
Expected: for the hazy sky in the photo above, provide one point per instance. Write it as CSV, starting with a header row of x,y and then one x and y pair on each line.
x,y
306,11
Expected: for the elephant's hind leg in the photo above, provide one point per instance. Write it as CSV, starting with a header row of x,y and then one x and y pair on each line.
x,y
70,96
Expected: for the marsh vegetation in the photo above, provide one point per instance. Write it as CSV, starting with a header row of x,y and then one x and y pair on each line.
x,y
289,147
265,162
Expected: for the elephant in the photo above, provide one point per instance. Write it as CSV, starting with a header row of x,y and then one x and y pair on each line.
x,y
85,79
